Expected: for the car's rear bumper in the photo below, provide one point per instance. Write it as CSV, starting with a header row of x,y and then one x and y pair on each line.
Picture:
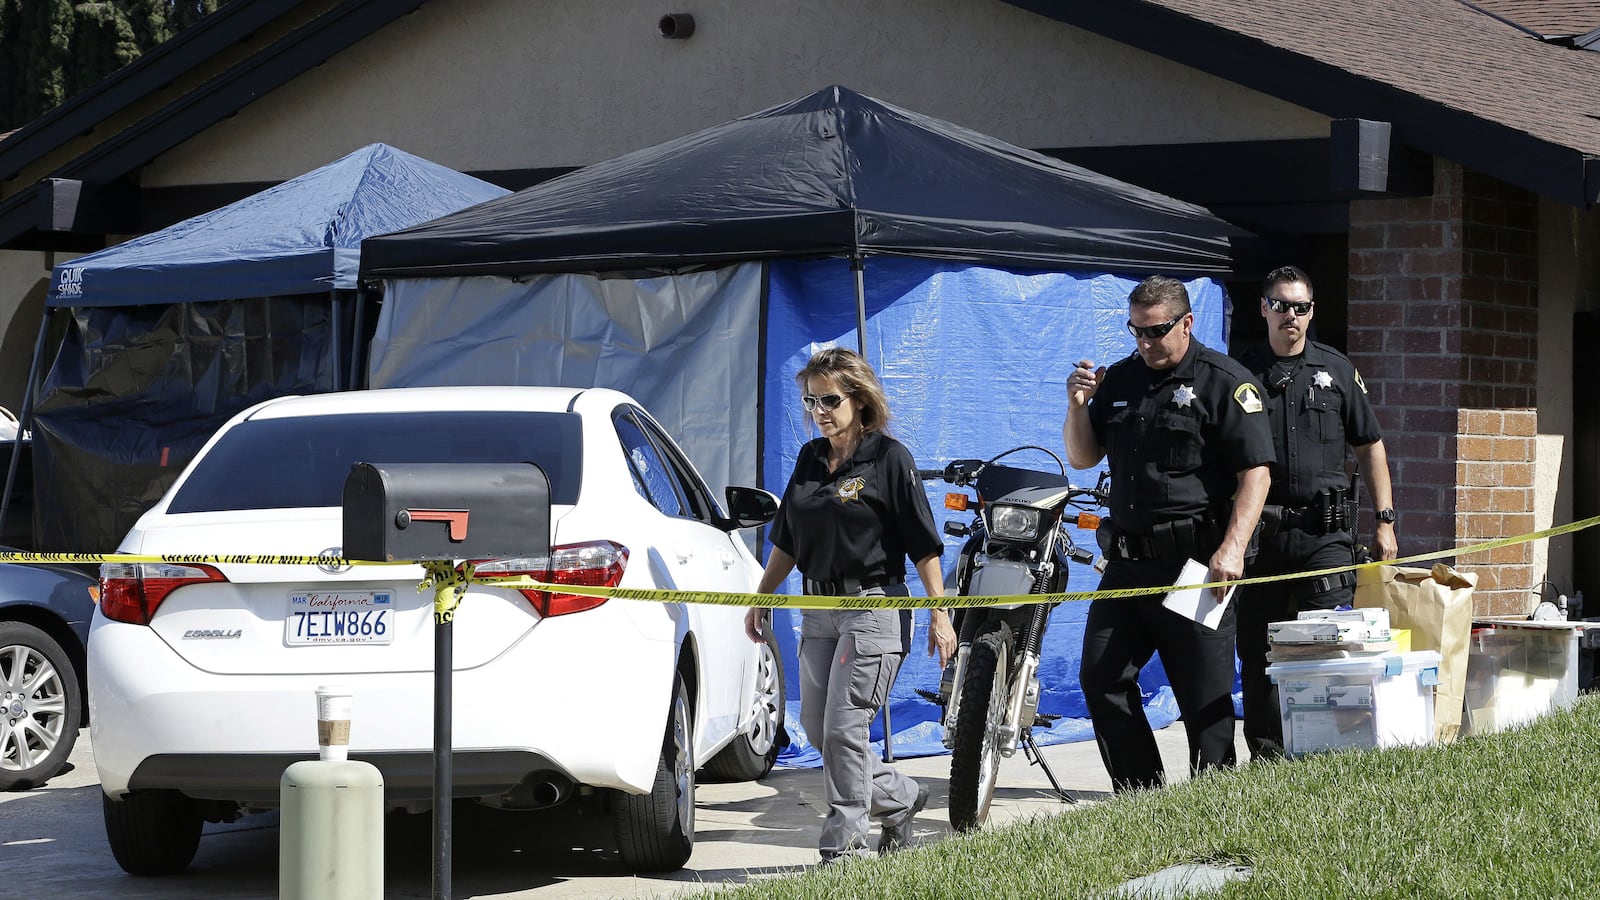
x,y
254,778
158,721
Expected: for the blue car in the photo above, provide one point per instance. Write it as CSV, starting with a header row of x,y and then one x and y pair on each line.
x,y
44,629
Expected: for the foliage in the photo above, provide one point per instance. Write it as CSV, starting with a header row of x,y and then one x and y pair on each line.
x,y
1503,815
53,49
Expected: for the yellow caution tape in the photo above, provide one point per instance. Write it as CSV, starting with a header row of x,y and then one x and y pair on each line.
x,y
450,582
189,559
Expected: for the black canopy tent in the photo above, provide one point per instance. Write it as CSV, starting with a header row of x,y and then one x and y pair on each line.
x,y
835,173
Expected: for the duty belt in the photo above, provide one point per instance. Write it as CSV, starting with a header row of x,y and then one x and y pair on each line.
x,y
1318,518
1168,540
849,587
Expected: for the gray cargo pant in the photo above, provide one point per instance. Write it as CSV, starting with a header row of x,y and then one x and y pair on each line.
x,y
848,660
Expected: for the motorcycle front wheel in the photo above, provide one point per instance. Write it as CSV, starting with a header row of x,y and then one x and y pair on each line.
x,y
975,756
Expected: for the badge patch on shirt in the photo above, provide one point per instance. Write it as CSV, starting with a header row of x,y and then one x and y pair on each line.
x,y
1361,384
1322,380
1248,398
851,488
1183,396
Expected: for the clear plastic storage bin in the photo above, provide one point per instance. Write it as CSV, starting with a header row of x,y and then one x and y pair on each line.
x,y
1359,702
1519,670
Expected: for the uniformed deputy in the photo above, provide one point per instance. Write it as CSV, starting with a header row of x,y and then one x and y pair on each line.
x,y
853,512
1317,406
1186,442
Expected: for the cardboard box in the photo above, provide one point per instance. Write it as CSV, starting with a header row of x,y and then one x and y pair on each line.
x,y
1359,702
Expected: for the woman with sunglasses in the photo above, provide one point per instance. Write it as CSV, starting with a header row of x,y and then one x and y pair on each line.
x,y
853,512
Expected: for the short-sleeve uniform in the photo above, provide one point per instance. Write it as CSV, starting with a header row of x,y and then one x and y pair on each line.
x,y
850,532
1176,441
861,523
1317,406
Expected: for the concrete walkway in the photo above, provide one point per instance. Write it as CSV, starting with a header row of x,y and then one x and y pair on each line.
x,y
52,841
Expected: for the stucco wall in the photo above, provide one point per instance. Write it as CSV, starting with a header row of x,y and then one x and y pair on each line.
x,y
24,277
508,84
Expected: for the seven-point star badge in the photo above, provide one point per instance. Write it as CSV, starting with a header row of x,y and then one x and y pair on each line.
x,y
1323,379
1183,396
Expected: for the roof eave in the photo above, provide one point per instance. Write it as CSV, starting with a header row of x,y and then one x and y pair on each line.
x,y
300,50
1560,172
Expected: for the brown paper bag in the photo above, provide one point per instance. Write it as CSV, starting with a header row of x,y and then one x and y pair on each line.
x,y
1436,605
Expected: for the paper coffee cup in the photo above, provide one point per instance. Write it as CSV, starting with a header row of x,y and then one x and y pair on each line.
x,y
333,722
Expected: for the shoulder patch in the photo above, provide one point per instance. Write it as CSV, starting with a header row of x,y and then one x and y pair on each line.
x,y
1248,397
1359,383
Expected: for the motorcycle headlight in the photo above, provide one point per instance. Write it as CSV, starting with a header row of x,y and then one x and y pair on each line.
x,y
1016,523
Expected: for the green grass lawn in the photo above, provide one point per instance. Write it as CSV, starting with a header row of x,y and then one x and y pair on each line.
x,y
1497,816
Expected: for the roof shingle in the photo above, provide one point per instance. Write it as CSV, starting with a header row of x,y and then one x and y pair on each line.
x,y
1442,51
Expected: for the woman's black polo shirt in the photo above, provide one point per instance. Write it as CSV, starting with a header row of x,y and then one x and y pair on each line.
x,y
862,521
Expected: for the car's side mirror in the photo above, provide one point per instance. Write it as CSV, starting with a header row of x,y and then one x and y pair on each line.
x,y
749,507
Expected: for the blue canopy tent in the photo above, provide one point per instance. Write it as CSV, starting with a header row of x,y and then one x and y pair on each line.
x,y
701,273
175,331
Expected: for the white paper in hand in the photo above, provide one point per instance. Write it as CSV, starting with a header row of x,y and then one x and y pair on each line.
x,y
1199,604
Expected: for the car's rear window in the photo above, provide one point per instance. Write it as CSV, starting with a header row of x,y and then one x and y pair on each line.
x,y
300,462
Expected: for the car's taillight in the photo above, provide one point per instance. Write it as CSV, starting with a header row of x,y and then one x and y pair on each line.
x,y
597,564
130,592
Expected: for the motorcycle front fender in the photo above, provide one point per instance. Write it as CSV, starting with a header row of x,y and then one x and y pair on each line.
x,y
1002,579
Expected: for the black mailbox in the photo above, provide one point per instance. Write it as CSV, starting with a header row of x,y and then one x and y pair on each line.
x,y
446,511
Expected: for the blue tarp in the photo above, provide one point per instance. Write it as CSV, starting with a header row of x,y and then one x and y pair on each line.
x,y
300,237
974,361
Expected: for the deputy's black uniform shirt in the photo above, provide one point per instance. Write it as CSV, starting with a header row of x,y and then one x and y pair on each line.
x,y
859,522
1316,404
1176,440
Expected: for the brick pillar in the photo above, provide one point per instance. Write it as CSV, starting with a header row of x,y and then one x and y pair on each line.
x,y
1443,325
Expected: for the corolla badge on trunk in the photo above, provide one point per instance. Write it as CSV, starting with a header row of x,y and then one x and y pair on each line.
x,y
326,561
213,634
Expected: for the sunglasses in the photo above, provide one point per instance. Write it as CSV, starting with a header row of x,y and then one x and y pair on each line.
x,y
828,402
1154,332
1283,306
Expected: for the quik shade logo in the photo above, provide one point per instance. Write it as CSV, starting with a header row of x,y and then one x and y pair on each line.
x,y
70,284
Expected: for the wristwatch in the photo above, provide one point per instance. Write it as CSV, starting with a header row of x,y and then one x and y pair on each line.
x,y
1387,515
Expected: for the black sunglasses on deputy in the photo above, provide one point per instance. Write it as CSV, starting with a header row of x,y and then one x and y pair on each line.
x,y
1154,332
1283,306
828,402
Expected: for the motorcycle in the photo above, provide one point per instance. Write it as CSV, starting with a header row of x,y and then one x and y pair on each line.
x,y
1016,543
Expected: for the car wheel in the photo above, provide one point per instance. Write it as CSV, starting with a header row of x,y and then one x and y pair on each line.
x,y
152,832
40,706
752,753
655,831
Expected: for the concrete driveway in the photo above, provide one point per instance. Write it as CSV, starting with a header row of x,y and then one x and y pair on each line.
x,y
52,841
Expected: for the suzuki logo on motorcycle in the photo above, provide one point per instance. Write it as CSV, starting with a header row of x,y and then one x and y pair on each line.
x,y
332,562
851,488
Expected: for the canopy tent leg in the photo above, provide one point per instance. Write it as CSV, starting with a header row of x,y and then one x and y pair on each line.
x,y
25,418
858,264
357,358
335,341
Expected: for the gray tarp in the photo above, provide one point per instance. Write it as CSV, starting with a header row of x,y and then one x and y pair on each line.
x,y
683,345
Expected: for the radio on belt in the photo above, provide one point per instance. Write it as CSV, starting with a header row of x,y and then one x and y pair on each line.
x,y
446,511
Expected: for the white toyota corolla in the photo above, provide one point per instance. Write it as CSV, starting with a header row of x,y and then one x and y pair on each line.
x,y
202,678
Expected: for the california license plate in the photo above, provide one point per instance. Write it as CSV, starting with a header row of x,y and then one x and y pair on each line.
x,y
339,618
